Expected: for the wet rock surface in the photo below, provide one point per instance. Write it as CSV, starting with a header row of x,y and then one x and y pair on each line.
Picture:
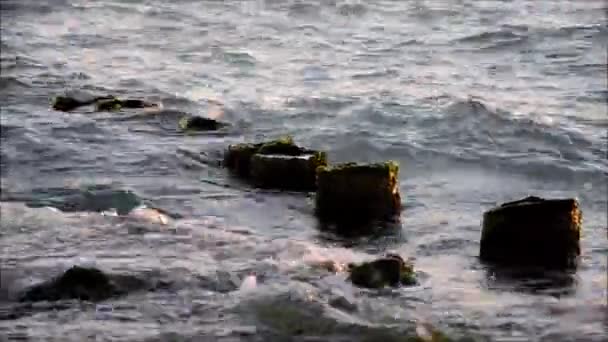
x,y
116,104
68,103
278,164
198,123
83,283
391,270
532,232
355,193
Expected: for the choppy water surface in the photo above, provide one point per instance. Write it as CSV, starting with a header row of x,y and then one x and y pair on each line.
x,y
480,101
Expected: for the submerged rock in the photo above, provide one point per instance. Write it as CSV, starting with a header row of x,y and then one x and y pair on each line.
x,y
67,103
391,270
532,232
76,283
356,193
197,123
279,164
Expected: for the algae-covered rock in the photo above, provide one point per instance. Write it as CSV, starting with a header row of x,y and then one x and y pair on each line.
x,y
391,270
288,172
67,103
532,232
197,123
116,104
353,192
279,164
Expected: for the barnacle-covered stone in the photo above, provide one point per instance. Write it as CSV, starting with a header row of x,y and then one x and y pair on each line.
x,y
532,232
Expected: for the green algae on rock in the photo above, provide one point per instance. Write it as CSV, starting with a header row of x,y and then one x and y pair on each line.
x,y
532,232
198,123
391,270
279,164
353,192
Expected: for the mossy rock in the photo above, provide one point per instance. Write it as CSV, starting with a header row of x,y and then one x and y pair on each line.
x,y
68,103
532,232
276,158
287,172
198,123
354,192
391,270
116,104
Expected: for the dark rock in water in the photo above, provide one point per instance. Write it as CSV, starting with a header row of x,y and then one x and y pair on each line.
x,y
76,283
279,164
66,103
116,104
84,283
532,232
391,270
287,172
197,123
358,192
238,158
94,198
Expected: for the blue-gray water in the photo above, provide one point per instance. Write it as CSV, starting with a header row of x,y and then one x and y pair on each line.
x,y
481,102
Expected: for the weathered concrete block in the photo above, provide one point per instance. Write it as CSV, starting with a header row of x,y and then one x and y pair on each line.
x,y
355,192
532,232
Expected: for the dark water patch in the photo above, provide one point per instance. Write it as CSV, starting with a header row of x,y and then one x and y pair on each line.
x,y
372,237
587,69
304,10
531,281
351,10
12,85
305,316
494,40
445,246
96,198
32,7
491,37
376,74
330,104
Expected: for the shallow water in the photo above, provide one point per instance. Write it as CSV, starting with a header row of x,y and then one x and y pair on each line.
x,y
481,102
